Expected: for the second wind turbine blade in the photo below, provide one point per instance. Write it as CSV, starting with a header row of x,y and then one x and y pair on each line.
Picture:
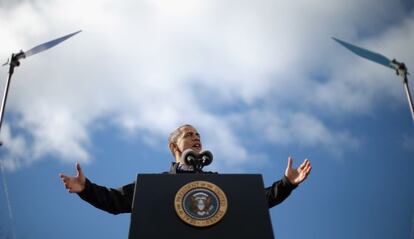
x,y
367,54
47,45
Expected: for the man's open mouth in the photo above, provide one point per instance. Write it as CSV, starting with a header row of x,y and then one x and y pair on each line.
x,y
197,145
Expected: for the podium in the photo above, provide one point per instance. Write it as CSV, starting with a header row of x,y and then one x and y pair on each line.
x,y
193,206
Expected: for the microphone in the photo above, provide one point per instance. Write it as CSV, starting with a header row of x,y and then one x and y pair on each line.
x,y
197,160
206,157
190,157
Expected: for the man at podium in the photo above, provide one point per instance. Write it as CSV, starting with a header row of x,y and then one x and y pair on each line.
x,y
185,137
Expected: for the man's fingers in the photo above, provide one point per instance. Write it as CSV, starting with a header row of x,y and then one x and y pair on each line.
x,y
69,182
308,165
290,162
78,169
63,177
303,165
307,170
69,188
66,182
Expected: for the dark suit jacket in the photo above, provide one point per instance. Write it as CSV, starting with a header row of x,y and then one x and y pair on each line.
x,y
119,200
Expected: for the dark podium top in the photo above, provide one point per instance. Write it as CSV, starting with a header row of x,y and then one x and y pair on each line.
x,y
154,215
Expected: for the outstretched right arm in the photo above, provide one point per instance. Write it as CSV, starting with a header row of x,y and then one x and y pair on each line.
x,y
114,201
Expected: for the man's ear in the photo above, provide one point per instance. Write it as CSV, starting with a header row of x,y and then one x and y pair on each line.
x,y
172,147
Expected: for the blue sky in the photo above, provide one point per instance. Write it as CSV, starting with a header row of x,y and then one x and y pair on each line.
x,y
261,81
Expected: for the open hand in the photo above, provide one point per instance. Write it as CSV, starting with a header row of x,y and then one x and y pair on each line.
x,y
74,184
297,175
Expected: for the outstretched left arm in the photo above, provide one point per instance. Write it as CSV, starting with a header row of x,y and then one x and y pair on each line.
x,y
281,189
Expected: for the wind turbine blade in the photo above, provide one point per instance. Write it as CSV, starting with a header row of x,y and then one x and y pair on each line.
x,y
47,45
367,54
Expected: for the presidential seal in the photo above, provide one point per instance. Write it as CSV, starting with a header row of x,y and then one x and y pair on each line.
x,y
200,203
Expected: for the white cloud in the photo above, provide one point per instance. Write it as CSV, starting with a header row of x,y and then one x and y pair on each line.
x,y
298,128
144,65
16,148
56,132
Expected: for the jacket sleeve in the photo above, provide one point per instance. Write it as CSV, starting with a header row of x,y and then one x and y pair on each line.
x,y
111,200
279,191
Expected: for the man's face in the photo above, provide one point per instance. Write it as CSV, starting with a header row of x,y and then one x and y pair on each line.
x,y
189,139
